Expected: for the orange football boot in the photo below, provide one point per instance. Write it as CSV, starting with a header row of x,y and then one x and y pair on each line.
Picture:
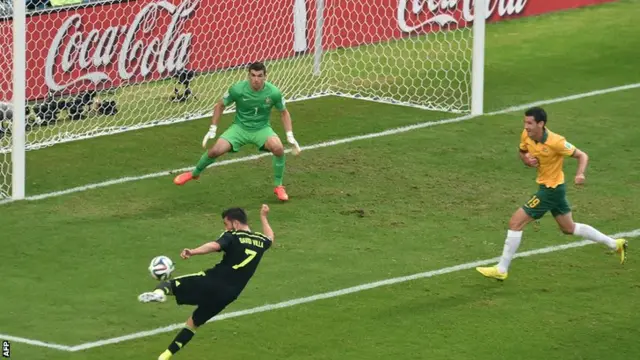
x,y
281,193
184,177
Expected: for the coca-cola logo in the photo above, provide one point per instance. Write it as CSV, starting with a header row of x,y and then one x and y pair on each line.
x,y
139,48
425,12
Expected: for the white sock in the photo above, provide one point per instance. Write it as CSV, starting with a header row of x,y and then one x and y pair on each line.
x,y
511,245
589,233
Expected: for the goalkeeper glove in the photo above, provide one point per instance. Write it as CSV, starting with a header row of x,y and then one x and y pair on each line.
x,y
210,135
292,141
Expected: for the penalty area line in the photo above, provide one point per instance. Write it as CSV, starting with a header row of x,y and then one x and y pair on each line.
x,y
394,131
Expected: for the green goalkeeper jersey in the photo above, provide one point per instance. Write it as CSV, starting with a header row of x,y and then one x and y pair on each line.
x,y
253,108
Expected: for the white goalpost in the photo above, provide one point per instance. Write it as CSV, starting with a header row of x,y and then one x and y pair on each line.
x,y
18,156
106,67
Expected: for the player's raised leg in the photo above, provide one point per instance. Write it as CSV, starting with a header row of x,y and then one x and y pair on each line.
x,y
274,145
518,221
569,227
158,295
221,147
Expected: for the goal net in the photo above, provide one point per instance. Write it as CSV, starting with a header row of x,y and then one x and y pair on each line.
x,y
111,66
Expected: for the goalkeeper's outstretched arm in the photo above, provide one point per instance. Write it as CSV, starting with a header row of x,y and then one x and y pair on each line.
x,y
285,116
218,109
288,128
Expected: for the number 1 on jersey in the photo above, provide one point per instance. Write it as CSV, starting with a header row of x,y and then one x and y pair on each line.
x,y
251,254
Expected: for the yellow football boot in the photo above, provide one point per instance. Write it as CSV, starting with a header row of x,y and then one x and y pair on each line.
x,y
492,272
621,248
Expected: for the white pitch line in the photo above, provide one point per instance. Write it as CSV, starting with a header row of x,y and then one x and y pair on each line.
x,y
350,290
394,131
35,342
567,98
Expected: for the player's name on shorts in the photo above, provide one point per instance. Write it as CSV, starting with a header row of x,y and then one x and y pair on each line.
x,y
246,240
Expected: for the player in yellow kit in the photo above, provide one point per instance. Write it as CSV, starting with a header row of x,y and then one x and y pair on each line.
x,y
545,150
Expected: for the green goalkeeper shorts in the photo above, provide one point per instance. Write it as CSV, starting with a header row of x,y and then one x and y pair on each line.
x,y
239,137
548,199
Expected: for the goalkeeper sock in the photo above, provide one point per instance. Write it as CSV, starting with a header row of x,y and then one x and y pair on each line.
x,y
511,245
278,169
592,234
184,336
202,164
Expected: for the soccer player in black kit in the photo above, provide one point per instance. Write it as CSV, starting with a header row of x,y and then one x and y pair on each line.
x,y
215,288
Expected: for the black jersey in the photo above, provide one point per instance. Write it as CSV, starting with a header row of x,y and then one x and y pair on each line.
x,y
243,251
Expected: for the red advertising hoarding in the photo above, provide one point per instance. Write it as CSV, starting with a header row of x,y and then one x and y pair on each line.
x,y
111,44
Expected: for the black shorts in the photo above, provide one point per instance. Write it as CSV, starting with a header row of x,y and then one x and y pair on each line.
x,y
209,294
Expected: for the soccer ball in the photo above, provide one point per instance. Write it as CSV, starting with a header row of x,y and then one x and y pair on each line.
x,y
161,268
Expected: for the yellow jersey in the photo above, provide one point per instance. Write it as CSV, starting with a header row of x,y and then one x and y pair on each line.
x,y
550,152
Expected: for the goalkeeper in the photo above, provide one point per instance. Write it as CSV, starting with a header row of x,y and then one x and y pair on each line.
x,y
254,99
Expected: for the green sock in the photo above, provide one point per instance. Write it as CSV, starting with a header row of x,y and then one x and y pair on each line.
x,y
278,169
202,164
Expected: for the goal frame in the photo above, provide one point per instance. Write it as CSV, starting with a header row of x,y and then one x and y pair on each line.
x,y
18,134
